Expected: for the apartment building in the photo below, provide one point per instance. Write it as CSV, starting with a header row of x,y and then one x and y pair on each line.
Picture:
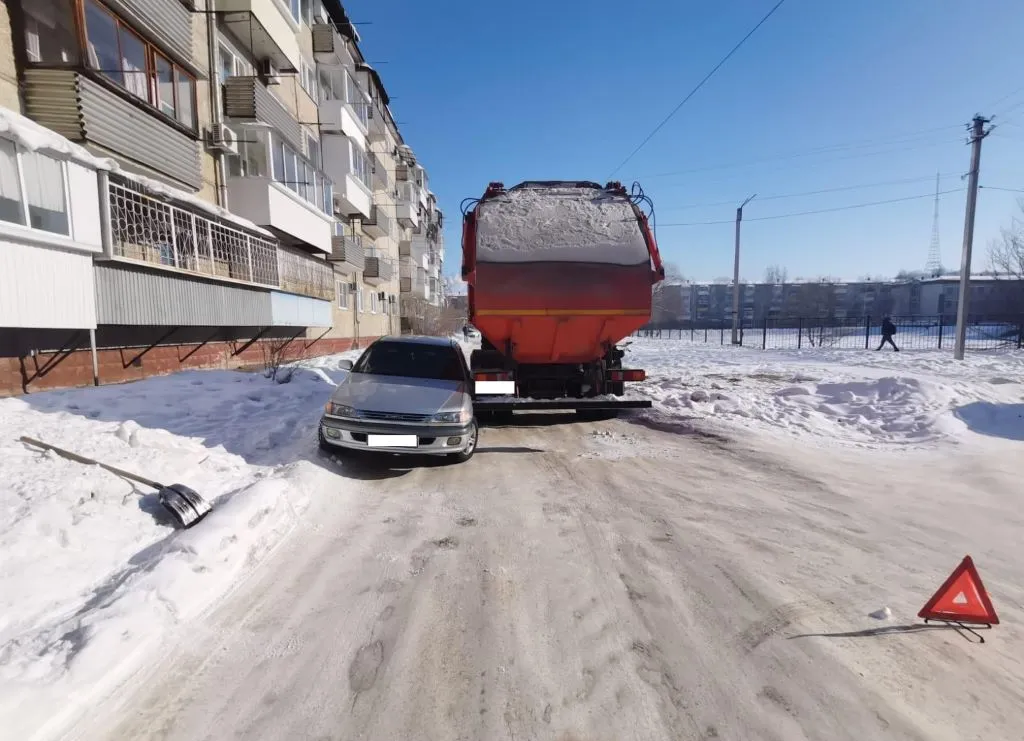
x,y
712,303
245,164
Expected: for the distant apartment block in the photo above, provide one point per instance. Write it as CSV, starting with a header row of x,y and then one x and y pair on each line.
x,y
214,176
991,296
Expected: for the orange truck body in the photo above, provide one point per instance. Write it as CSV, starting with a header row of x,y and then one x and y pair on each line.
x,y
557,312
558,273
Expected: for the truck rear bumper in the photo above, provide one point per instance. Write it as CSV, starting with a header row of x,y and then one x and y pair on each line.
x,y
512,404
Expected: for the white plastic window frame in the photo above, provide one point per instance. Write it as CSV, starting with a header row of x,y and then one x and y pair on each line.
x,y
13,227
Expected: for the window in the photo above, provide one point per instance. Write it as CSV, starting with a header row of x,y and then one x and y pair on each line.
x,y
50,35
313,149
307,77
326,88
186,97
279,161
11,206
359,302
360,164
328,202
290,176
307,11
412,360
126,59
101,34
295,7
133,62
163,79
44,190
225,65
43,202
343,295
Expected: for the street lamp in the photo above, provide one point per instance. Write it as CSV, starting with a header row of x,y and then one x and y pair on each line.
x,y
736,276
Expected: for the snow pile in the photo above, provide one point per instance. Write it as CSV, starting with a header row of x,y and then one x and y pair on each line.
x,y
865,399
559,225
36,138
93,572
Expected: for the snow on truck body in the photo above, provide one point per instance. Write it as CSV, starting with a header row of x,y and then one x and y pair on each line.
x,y
558,273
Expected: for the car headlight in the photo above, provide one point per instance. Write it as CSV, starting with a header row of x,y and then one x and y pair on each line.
x,y
463,416
339,410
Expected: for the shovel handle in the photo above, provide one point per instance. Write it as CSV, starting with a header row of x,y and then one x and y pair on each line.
x,y
89,461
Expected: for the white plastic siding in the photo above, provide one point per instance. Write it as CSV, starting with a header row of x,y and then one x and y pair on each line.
x,y
44,288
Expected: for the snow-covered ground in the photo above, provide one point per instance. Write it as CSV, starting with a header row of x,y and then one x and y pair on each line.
x,y
411,586
836,397
92,572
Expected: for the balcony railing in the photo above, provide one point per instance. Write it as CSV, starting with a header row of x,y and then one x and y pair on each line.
x,y
152,230
377,267
304,274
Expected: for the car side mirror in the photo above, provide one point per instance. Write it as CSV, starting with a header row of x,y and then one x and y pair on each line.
x,y
345,365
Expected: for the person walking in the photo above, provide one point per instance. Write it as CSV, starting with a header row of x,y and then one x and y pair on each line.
x,y
888,330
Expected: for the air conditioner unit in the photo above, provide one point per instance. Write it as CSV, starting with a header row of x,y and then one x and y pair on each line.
x,y
266,69
223,139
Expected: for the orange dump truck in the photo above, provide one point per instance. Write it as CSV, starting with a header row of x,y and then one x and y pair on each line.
x,y
558,274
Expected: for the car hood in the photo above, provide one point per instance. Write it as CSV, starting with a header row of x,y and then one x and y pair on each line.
x,y
399,394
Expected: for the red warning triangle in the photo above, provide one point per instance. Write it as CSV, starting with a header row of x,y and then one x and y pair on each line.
x,y
962,598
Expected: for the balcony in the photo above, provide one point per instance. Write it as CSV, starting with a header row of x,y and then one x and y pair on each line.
x,y
277,208
247,100
377,127
378,223
347,166
348,253
149,230
83,110
342,117
264,29
412,281
407,208
413,249
377,268
380,174
305,275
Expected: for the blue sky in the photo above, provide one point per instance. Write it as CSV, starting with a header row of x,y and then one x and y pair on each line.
x,y
825,95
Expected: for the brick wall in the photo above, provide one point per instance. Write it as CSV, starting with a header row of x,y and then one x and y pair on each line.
x,y
8,71
62,369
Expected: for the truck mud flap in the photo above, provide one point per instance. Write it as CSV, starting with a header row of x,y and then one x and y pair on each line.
x,y
506,404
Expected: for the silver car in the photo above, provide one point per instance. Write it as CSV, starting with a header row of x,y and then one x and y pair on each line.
x,y
404,395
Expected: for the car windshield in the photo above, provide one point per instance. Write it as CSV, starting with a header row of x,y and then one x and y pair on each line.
x,y
412,360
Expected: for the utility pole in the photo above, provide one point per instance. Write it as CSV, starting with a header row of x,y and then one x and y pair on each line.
x,y
978,133
736,276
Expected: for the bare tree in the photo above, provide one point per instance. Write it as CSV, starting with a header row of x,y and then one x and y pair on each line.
x,y
661,299
775,274
810,302
422,317
1006,254
278,354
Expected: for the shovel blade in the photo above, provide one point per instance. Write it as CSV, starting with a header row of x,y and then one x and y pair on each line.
x,y
184,504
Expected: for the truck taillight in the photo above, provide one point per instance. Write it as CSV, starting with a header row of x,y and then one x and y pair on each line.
x,y
506,376
627,375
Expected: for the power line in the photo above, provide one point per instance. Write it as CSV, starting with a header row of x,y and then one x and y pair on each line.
x,y
865,186
988,187
699,86
818,211
831,149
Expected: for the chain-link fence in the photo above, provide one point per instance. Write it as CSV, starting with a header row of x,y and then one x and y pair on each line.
x,y
851,333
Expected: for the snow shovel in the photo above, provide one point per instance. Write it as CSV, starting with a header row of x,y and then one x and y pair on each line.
x,y
184,504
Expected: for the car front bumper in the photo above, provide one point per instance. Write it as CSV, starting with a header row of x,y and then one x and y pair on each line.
x,y
430,439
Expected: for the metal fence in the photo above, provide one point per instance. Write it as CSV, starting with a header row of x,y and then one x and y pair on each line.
x,y
150,230
305,274
851,333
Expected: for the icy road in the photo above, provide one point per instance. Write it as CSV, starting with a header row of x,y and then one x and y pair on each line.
x,y
610,581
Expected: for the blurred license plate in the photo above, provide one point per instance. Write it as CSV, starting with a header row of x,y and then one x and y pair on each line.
x,y
391,441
